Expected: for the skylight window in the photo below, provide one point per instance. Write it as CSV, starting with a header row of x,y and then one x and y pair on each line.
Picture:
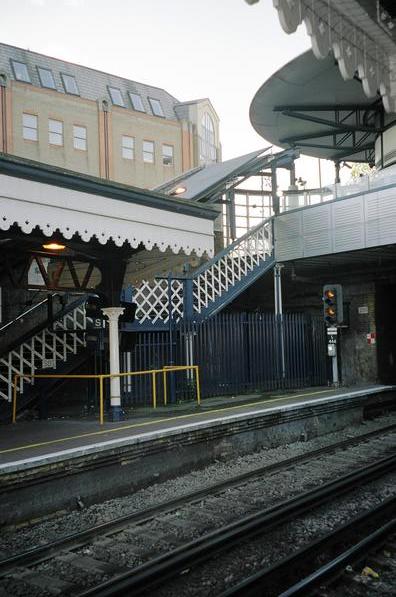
x,y
70,84
116,96
20,71
156,107
46,77
136,101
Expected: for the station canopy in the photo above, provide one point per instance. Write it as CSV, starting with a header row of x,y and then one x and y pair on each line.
x,y
309,106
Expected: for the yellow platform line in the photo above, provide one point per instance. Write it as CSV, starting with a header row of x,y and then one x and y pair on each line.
x,y
166,420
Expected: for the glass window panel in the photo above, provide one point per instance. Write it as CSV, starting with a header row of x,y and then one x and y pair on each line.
x,y
148,151
80,137
30,120
29,127
156,107
20,71
136,101
128,147
207,141
46,77
55,132
167,155
70,84
80,144
116,96
80,131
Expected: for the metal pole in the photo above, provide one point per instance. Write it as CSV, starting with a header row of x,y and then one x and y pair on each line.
x,y
320,173
335,370
172,396
279,315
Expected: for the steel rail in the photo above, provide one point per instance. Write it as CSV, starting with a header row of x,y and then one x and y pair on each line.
x,y
75,540
351,554
167,565
275,579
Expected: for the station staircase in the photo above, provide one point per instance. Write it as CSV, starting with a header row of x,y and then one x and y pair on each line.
x,y
58,347
209,288
61,347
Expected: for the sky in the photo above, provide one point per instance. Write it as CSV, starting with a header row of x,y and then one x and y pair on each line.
x,y
221,49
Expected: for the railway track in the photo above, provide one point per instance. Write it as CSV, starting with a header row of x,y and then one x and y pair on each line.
x,y
50,567
317,563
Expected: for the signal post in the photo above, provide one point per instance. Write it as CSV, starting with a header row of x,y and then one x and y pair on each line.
x,y
333,314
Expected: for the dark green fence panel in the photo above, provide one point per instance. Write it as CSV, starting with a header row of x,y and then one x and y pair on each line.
x,y
236,353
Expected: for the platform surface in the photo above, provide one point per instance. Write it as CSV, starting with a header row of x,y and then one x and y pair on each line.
x,y
32,443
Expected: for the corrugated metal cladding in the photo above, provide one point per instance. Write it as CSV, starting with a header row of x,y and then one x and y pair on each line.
x,y
92,84
349,224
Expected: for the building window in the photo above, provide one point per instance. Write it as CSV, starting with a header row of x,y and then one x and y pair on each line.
x,y
128,147
148,152
167,155
70,84
46,77
30,127
136,101
156,107
116,96
21,72
55,132
207,141
80,137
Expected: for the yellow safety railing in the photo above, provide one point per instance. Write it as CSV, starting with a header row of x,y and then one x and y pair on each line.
x,y
102,376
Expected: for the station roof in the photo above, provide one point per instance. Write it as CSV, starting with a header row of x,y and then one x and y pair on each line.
x,y
45,200
207,182
308,105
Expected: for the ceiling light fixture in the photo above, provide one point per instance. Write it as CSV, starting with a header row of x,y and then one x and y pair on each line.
x,y
54,246
178,191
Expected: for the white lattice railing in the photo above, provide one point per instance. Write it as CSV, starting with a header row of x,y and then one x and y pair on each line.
x,y
231,266
210,282
152,299
42,351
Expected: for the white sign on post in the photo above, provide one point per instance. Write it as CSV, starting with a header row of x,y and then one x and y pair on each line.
x,y
332,331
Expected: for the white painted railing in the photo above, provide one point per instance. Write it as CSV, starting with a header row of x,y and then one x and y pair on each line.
x,y
210,282
43,351
231,266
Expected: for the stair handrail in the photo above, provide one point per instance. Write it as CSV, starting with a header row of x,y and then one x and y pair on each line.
x,y
25,313
42,326
227,249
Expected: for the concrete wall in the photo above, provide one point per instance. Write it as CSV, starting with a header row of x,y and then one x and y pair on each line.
x,y
71,111
143,127
358,357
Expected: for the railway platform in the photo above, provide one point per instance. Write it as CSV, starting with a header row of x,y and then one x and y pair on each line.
x,y
49,465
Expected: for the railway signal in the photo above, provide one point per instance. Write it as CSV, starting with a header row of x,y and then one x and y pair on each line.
x,y
333,312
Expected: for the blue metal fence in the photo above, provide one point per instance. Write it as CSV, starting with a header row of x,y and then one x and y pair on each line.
x,y
236,353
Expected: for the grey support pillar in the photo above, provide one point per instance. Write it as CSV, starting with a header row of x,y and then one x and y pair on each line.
x,y
337,172
274,188
113,314
279,317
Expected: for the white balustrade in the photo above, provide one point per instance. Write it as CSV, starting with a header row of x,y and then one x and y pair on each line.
x,y
210,282
31,356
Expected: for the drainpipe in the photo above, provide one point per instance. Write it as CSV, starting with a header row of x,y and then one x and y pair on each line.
x,y
113,314
105,107
3,111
